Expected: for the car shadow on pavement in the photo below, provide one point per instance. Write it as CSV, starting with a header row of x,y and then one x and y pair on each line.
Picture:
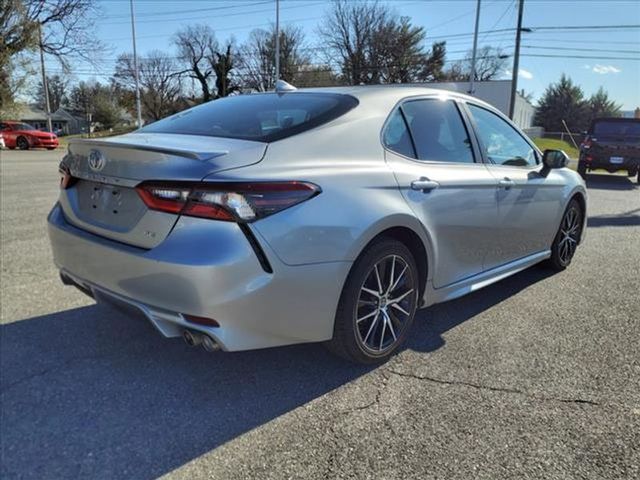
x,y
610,182
92,393
432,323
625,219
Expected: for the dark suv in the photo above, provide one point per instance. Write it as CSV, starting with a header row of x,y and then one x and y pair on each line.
x,y
612,144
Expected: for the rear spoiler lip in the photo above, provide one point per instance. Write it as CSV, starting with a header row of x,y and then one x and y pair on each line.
x,y
202,156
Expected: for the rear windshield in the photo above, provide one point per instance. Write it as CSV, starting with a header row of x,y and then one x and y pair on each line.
x,y
261,117
617,128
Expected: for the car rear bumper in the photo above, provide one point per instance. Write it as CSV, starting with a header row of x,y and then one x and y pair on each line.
x,y
206,269
604,163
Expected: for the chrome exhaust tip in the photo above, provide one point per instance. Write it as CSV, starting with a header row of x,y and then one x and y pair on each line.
x,y
209,344
192,339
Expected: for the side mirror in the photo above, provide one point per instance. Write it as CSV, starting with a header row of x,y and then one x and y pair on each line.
x,y
554,159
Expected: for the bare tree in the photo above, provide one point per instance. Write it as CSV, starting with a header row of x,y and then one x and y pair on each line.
x,y
67,27
197,46
372,44
159,82
258,53
490,63
349,32
67,33
222,64
58,90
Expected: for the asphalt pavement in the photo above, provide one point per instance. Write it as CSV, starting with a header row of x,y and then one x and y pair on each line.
x,y
537,376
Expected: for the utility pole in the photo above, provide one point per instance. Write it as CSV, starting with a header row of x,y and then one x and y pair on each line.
x,y
516,61
45,87
277,41
475,49
135,64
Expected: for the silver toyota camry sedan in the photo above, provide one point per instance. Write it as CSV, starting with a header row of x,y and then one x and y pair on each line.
x,y
322,215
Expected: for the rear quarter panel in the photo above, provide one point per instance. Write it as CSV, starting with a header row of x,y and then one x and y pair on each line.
x,y
360,197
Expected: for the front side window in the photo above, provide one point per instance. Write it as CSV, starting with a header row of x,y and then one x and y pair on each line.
x,y
502,144
23,126
438,131
261,117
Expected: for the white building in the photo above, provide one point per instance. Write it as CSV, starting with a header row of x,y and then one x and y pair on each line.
x,y
498,94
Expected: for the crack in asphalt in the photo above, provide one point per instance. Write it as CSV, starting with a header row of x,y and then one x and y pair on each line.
x,y
47,371
493,389
62,366
375,401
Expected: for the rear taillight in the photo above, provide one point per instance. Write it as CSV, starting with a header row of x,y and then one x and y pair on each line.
x,y
66,179
240,202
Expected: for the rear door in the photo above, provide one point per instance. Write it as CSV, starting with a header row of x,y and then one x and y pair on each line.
x,y
442,178
103,198
528,202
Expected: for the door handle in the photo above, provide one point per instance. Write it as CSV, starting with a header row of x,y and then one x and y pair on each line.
x,y
507,183
424,184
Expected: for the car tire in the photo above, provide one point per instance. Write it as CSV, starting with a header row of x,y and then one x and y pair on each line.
x,y
582,170
22,143
566,240
377,305
51,148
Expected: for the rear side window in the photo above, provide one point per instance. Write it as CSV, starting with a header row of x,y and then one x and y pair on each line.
x,y
605,128
396,135
261,117
438,131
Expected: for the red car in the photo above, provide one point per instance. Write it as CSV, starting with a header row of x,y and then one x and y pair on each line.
x,y
24,136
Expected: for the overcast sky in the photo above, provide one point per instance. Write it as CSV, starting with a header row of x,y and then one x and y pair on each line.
x,y
617,66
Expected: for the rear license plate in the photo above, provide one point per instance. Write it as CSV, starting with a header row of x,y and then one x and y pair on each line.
x,y
616,159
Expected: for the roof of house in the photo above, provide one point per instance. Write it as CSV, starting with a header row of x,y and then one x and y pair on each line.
x,y
30,113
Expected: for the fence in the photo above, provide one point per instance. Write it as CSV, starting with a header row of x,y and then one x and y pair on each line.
x,y
572,138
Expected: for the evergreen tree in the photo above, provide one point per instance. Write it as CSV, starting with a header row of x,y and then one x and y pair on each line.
x,y
601,106
562,101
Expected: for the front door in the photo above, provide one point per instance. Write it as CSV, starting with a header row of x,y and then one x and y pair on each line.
x,y
443,180
528,202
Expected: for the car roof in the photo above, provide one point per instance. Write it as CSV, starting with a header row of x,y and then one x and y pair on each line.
x,y
393,92
615,119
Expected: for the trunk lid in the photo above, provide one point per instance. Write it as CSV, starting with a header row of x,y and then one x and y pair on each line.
x,y
104,201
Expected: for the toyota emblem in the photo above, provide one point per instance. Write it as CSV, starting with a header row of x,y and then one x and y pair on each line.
x,y
97,160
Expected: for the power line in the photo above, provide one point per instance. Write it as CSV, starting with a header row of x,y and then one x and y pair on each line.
x,y
245,27
586,41
194,10
509,7
226,15
582,49
328,66
585,27
579,56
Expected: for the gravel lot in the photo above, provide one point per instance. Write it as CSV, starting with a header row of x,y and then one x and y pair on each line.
x,y
537,376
